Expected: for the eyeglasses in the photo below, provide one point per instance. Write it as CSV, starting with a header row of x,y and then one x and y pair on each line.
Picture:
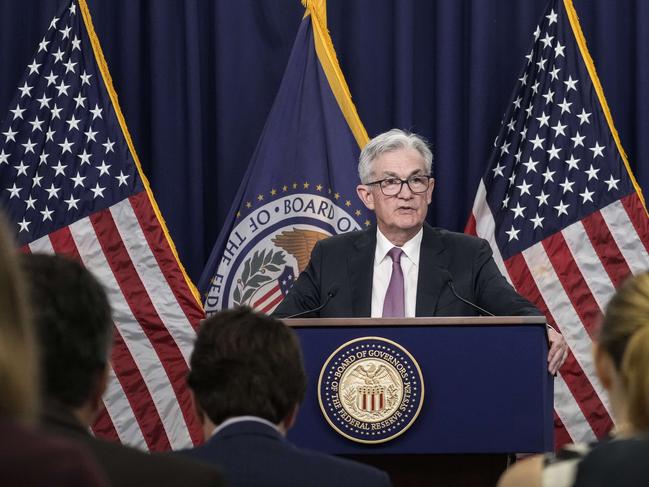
x,y
393,186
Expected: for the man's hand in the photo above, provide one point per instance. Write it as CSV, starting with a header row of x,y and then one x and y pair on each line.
x,y
558,351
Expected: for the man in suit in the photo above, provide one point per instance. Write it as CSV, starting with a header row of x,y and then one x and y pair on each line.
x,y
402,267
74,330
248,380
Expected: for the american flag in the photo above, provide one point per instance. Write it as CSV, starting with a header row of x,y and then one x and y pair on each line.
x,y
71,183
561,209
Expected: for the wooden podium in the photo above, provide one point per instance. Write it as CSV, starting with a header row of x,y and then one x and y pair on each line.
x,y
487,393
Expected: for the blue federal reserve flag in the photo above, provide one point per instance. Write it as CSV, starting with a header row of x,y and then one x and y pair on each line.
x,y
300,184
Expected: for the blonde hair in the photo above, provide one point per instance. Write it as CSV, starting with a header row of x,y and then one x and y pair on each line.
x,y
18,354
624,335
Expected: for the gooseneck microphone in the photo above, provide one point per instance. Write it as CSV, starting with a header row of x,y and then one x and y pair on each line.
x,y
448,279
333,290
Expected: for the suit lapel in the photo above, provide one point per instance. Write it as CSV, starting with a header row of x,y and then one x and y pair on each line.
x,y
433,257
361,272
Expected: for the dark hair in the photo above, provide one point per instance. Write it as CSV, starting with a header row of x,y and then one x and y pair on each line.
x,y
73,324
246,363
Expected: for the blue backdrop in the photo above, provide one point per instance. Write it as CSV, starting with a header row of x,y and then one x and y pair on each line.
x,y
196,80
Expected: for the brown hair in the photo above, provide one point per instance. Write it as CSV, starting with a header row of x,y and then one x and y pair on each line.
x,y
18,354
625,337
74,329
246,363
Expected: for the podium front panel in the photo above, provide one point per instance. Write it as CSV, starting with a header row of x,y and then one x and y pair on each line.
x,y
486,389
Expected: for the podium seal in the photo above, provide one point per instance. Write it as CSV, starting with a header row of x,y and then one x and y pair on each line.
x,y
370,390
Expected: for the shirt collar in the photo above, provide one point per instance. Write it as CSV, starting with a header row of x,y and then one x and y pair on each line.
x,y
239,419
411,248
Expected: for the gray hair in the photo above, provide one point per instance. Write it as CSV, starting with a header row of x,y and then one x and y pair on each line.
x,y
390,141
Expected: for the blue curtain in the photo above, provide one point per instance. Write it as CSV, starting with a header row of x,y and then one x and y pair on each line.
x,y
196,79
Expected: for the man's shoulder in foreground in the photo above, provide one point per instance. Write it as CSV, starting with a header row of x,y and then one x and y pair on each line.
x,y
126,466
255,454
619,462
347,472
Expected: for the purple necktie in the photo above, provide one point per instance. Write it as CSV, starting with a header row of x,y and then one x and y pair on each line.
x,y
393,305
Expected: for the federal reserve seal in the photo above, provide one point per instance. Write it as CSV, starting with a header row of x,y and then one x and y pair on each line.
x,y
271,245
370,390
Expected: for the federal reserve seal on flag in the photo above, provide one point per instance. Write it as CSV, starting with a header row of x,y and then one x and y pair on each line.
x,y
370,390
270,246
300,185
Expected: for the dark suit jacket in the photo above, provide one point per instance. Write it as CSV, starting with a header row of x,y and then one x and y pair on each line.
x,y
254,454
125,466
621,463
346,261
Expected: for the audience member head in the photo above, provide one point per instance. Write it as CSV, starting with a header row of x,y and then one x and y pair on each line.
x,y
246,364
74,328
622,353
18,355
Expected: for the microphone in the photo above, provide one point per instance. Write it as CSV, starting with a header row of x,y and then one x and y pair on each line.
x,y
448,279
333,290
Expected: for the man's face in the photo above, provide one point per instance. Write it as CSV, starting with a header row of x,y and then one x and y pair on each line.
x,y
406,211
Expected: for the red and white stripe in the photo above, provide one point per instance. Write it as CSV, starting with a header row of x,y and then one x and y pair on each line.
x,y
269,301
147,403
481,222
570,276
127,428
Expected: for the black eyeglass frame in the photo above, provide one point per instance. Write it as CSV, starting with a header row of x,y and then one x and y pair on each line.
x,y
403,181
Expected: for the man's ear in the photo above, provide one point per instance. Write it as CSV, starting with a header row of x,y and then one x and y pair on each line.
x,y
603,366
207,426
91,408
200,414
365,194
100,387
429,192
288,422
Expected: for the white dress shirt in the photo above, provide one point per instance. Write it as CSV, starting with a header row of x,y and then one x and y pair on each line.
x,y
383,272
